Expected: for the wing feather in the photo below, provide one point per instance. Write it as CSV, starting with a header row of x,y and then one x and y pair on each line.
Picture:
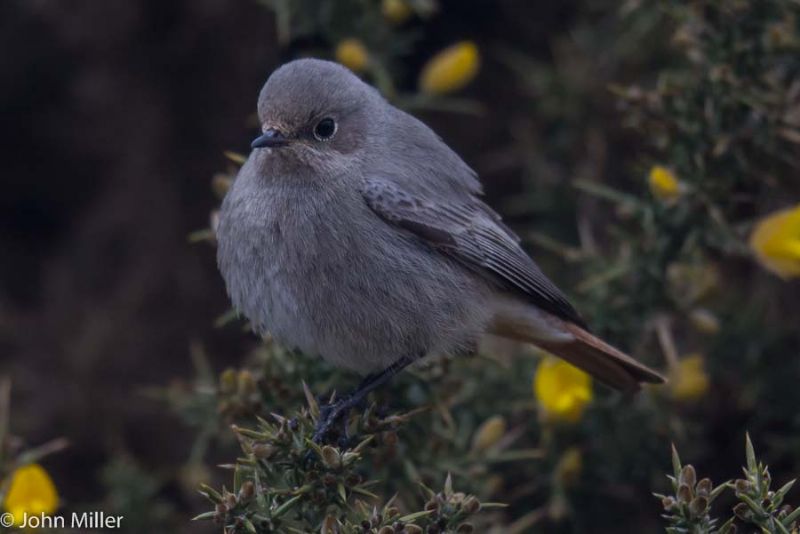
x,y
465,228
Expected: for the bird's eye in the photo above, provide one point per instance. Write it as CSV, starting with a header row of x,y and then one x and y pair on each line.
x,y
325,129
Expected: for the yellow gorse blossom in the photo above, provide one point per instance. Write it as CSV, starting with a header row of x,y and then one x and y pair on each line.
x,y
563,390
776,242
451,69
489,433
688,380
31,491
664,184
352,54
396,11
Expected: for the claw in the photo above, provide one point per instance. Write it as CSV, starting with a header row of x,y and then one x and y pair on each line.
x,y
329,415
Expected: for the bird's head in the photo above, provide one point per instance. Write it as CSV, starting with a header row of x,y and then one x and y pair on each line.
x,y
315,116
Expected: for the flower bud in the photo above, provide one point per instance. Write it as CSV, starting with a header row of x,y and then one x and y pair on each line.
x,y
684,494
742,486
688,476
352,54
471,505
330,525
432,505
395,11
704,487
331,457
489,433
247,490
263,451
698,506
451,69
664,184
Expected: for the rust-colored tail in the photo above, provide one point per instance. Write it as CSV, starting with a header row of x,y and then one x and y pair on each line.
x,y
601,360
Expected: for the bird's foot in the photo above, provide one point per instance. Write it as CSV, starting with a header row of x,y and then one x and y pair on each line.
x,y
334,413
333,418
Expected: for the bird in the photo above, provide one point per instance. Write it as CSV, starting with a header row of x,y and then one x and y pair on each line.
x,y
353,232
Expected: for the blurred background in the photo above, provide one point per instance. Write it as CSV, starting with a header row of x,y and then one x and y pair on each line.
x,y
639,148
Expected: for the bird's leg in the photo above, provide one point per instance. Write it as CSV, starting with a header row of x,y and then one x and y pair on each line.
x,y
338,410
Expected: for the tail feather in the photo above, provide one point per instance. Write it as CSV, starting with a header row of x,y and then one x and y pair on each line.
x,y
590,353
604,362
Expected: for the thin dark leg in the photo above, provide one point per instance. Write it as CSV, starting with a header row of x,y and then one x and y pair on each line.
x,y
330,414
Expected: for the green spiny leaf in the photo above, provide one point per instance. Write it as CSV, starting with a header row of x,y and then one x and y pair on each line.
x,y
285,507
781,493
676,463
204,516
791,518
750,454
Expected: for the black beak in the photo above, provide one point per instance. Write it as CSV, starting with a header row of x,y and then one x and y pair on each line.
x,y
271,138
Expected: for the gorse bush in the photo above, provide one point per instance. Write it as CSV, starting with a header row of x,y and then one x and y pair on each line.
x,y
689,508
287,483
392,453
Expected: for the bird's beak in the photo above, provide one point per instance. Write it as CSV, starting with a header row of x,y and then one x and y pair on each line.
x,y
270,138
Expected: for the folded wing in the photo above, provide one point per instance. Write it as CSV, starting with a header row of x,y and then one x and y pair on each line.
x,y
463,227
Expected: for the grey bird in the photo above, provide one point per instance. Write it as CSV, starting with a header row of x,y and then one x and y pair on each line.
x,y
355,233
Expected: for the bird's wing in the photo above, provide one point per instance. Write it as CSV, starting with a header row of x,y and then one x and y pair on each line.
x,y
465,228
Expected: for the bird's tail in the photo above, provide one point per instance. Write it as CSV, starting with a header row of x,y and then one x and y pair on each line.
x,y
590,353
604,362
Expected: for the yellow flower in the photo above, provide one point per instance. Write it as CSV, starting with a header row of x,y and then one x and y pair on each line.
x,y
664,184
776,242
688,380
489,433
352,54
451,69
396,11
563,391
31,492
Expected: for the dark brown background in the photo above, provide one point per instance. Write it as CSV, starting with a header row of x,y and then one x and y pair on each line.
x,y
115,116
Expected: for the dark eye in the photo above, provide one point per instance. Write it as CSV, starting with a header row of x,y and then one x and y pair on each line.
x,y
325,129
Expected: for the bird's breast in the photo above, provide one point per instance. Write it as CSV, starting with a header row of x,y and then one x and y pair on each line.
x,y
331,278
